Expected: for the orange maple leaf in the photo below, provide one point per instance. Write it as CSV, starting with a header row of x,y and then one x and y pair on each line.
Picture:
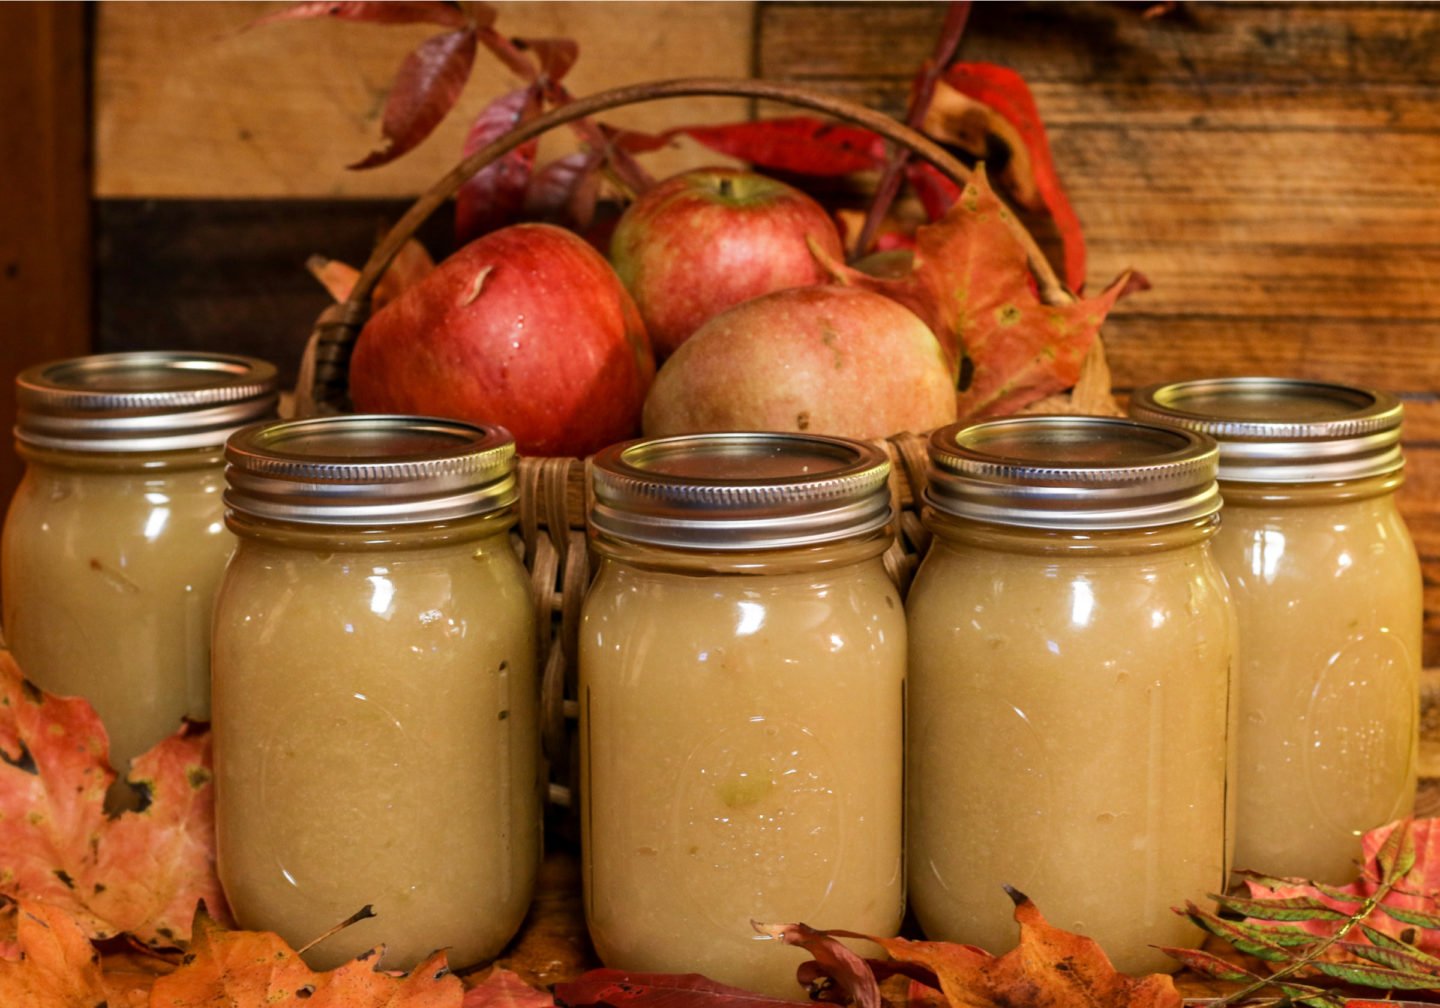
x,y
55,965
140,873
257,969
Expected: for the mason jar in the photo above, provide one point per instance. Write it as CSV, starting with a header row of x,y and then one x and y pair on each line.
x,y
742,668
1328,596
114,541
375,729
1070,649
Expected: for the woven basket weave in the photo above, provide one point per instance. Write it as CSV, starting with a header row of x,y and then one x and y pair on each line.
x,y
553,491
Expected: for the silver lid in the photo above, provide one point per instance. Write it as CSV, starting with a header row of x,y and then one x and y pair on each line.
x,y
1283,430
740,491
362,469
145,401
1072,472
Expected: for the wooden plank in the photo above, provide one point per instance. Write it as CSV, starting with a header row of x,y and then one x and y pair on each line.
x,y
190,103
44,220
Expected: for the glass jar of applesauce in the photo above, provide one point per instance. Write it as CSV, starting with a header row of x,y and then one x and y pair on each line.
x,y
375,726
114,541
742,668
1328,597
1070,649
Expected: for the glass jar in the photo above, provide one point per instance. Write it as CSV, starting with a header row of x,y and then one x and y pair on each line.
x,y
375,723
742,668
1070,648
1328,595
114,541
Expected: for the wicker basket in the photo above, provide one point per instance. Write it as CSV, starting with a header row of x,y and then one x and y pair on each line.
x,y
553,491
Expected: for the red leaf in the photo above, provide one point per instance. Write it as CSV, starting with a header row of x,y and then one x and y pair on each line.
x,y
140,873
799,144
622,989
566,189
556,55
495,195
1031,174
374,12
426,88
836,960
971,285
504,989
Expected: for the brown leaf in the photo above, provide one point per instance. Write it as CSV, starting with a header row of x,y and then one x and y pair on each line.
x,y
1049,968
410,265
623,989
555,55
57,967
140,873
254,969
836,960
373,12
971,285
426,88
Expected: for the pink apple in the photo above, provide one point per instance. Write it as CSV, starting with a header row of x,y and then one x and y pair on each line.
x,y
527,327
824,359
704,240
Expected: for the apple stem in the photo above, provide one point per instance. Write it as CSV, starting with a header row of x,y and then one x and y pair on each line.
x,y
727,188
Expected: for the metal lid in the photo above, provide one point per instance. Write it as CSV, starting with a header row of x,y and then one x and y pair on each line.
x,y
1283,430
370,469
740,491
144,401
1072,472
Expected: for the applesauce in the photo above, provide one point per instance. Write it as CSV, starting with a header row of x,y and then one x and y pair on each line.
x,y
114,541
375,726
1070,650
742,670
1327,592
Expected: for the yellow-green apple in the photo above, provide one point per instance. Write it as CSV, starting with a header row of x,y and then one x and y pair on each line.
x,y
707,239
824,359
527,327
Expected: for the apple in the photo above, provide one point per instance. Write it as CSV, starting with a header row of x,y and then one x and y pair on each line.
x,y
704,240
824,359
527,327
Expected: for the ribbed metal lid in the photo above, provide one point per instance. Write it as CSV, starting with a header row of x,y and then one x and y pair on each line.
x,y
145,401
1283,430
739,491
370,469
1072,472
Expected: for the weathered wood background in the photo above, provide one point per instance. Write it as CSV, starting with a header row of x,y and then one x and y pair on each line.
x,y
1273,169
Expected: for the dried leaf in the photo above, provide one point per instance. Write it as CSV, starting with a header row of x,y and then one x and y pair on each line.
x,y
253,969
800,144
410,265
426,88
373,12
623,989
834,958
495,195
57,966
503,989
977,101
141,873
971,285
555,55
1209,964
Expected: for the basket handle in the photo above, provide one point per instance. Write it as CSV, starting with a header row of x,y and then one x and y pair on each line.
x,y
323,377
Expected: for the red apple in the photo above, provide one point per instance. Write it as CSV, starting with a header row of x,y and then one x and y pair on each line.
x,y
824,359
527,327
704,240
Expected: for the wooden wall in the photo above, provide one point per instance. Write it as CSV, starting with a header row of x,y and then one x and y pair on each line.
x,y
1273,169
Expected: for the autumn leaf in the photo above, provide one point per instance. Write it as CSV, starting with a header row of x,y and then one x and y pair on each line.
x,y
142,872
623,989
969,282
974,103
502,988
57,967
257,969
410,265
372,12
425,90
495,195
800,144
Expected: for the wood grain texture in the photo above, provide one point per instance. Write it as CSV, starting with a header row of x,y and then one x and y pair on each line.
x,y
192,103
44,211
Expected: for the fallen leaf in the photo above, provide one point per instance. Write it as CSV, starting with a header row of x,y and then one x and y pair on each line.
x,y
56,967
410,265
142,872
971,285
502,988
426,88
257,969
623,989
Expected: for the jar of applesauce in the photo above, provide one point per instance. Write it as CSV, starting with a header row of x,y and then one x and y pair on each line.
x,y
375,725
114,541
1328,596
1070,649
742,669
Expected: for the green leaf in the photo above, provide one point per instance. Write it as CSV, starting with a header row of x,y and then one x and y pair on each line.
x,y
1375,976
1413,962
1419,918
1291,908
1273,944
1396,855
1378,937
1210,965
1337,893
